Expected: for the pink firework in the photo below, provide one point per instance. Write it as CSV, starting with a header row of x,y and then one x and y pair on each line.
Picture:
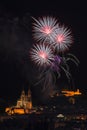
x,y
62,39
43,28
42,54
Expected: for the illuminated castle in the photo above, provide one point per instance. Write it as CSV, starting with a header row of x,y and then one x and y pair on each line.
x,y
68,93
24,104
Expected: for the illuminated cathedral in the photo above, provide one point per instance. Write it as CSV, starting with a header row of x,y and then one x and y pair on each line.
x,y
25,101
24,104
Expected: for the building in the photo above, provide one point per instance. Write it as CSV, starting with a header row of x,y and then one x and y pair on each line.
x,y
69,93
25,101
24,104
66,93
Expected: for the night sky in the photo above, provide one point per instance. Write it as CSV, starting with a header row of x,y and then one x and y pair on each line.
x,y
16,70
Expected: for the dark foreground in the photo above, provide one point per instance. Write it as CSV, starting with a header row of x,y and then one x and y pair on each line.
x,y
43,122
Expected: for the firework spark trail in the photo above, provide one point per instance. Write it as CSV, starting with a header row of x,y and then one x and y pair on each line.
x,y
72,58
68,75
42,54
48,80
60,63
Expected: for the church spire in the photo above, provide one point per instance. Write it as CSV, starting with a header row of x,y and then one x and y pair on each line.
x,y
29,93
22,95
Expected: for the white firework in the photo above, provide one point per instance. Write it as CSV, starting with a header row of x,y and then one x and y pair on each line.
x,y
43,28
62,39
42,54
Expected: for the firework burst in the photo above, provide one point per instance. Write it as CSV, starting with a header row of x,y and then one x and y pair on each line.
x,y
53,40
62,39
43,28
42,54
